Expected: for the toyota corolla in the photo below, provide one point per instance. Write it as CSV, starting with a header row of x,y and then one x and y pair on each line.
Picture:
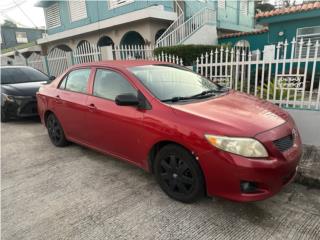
x,y
195,136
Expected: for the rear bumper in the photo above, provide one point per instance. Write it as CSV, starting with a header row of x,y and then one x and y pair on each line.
x,y
225,171
20,108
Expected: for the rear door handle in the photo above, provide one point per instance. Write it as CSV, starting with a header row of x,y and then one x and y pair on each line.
x,y
92,107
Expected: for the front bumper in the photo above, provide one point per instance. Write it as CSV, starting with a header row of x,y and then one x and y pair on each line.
x,y
225,171
22,107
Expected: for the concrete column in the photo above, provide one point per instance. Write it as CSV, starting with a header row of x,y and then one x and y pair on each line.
x,y
45,64
106,53
70,60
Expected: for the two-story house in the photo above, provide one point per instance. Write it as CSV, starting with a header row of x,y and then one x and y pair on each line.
x,y
133,22
17,37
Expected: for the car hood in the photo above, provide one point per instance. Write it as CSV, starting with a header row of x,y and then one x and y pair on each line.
x,y
21,89
236,114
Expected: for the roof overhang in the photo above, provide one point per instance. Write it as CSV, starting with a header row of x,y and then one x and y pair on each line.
x,y
44,4
153,12
296,16
35,48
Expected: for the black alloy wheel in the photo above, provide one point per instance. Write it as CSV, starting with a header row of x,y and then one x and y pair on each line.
x,y
55,131
178,174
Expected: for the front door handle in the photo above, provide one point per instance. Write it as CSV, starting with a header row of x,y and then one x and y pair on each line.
x,y
92,107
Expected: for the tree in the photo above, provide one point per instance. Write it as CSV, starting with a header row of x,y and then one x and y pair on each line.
x,y
264,7
8,23
289,3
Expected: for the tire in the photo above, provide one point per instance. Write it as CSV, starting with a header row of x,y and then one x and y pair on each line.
x,y
4,116
178,174
55,131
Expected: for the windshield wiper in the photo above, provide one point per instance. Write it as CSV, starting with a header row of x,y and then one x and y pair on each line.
x,y
175,99
196,96
204,93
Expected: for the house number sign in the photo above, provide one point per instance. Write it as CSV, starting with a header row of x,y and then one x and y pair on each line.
x,y
289,82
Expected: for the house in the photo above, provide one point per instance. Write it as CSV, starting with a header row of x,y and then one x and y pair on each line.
x,y
70,24
302,21
13,38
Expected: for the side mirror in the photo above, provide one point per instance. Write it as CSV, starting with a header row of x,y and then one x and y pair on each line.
x,y
51,78
128,99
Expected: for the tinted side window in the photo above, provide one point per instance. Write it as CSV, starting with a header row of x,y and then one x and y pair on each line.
x,y
109,84
77,80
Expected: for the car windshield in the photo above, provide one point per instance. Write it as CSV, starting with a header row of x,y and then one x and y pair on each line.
x,y
14,75
172,84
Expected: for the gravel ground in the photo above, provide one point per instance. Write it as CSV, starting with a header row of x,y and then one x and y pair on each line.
x,y
75,193
309,167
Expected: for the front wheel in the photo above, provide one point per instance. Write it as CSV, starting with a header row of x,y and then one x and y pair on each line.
x,y
178,174
55,131
4,116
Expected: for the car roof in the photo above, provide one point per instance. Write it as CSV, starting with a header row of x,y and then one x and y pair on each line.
x,y
3,67
122,63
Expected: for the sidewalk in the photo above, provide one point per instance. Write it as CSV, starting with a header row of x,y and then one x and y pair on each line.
x,y
309,167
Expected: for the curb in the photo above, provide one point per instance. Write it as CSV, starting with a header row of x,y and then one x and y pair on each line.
x,y
309,167
307,180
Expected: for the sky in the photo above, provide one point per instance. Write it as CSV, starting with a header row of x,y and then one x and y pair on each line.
x,y
27,15
30,16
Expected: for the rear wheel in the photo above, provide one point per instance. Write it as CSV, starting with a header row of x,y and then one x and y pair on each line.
x,y
55,131
178,174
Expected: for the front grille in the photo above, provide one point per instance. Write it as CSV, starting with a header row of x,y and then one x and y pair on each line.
x,y
285,143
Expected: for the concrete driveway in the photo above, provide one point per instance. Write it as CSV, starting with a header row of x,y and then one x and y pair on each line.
x,y
75,193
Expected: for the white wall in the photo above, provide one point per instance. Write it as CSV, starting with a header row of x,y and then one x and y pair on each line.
x,y
207,35
308,123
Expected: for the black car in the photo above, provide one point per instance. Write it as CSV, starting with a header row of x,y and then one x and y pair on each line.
x,y
19,85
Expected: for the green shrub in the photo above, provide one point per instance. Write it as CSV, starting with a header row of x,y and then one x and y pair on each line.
x,y
188,53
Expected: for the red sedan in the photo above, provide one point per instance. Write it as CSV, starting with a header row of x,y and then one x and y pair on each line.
x,y
195,136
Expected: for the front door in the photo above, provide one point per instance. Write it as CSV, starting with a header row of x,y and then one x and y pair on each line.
x,y
114,129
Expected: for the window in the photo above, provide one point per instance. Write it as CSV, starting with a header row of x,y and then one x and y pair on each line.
x,y
109,85
21,37
167,82
53,16
77,10
76,81
306,33
118,3
14,75
244,7
222,3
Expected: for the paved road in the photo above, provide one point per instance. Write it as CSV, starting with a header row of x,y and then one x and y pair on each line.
x,y
75,193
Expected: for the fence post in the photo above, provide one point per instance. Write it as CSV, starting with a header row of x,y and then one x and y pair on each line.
x,y
106,53
70,60
45,64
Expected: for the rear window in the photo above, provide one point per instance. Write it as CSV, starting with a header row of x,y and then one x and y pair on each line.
x,y
21,75
76,81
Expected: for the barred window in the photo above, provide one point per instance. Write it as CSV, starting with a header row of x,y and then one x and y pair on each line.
x,y
306,33
21,37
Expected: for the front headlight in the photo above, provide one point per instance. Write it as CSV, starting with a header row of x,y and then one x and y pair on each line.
x,y
247,147
7,98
